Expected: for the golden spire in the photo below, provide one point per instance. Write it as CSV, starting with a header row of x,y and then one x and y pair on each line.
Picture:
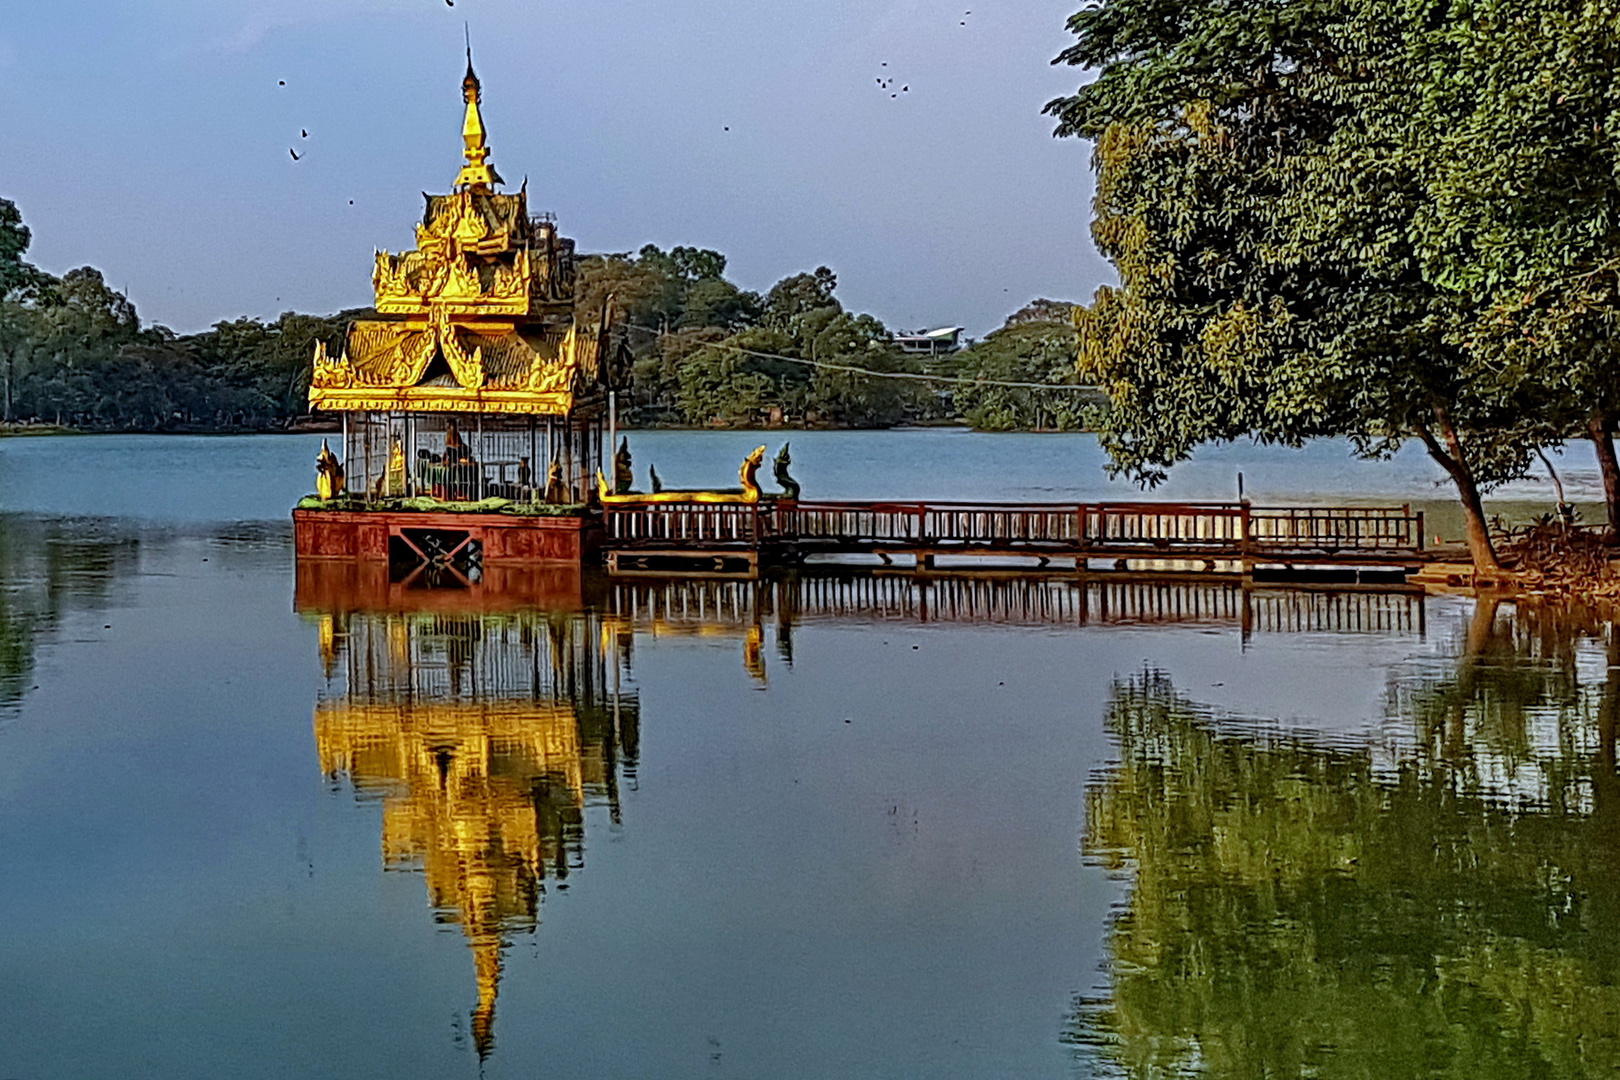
x,y
477,174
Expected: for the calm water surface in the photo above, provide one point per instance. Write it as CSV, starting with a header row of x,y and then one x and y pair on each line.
x,y
262,824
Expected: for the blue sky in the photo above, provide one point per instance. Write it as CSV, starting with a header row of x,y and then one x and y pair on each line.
x,y
151,139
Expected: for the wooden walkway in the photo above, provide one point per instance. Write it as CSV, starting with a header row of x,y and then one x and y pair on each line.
x,y
649,536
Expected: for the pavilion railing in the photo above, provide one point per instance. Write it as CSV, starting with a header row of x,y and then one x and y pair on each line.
x,y
1193,529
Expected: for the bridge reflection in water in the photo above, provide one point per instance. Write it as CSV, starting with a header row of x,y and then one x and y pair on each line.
x,y
1015,599
484,737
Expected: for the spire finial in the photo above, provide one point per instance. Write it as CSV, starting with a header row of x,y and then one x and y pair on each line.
x,y
477,174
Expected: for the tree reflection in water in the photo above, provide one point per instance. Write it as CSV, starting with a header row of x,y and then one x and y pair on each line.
x,y
49,568
1448,907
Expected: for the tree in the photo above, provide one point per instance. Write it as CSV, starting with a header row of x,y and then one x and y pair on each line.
x,y
1035,345
20,283
1262,223
17,278
801,294
1514,134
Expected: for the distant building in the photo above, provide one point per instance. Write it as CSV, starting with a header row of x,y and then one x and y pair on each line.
x,y
940,342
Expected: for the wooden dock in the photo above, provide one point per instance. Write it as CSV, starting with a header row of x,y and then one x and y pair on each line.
x,y
672,537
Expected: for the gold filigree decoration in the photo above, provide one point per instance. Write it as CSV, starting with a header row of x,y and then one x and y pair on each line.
x,y
329,373
468,369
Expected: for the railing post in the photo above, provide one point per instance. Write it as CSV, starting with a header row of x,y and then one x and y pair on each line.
x,y
1420,530
1244,546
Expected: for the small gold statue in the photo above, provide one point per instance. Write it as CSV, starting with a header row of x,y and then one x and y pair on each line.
x,y
328,474
556,490
396,470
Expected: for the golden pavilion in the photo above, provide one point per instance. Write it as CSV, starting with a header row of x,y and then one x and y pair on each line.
x,y
473,383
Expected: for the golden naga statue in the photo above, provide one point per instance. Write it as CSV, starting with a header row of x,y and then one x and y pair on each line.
x,y
748,493
328,474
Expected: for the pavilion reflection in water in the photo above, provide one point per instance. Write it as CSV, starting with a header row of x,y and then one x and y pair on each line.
x,y
1441,898
485,736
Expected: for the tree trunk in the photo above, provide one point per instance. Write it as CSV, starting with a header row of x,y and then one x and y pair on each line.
x,y
1454,459
1597,429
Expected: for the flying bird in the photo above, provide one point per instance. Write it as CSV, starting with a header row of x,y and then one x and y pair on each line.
x,y
294,154
281,82
304,133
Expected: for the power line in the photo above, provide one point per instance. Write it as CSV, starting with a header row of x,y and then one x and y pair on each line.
x,y
869,373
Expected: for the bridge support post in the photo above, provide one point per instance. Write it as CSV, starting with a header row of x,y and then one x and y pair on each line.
x,y
1245,542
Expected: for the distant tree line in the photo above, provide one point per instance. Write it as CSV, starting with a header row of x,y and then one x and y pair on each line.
x,y
710,353
705,353
74,353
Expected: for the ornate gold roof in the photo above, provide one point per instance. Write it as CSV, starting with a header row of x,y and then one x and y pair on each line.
x,y
478,317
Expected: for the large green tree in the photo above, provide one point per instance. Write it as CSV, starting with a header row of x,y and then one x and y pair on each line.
x,y
1514,131
1255,199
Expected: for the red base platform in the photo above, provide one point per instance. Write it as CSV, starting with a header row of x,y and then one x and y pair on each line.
x,y
367,535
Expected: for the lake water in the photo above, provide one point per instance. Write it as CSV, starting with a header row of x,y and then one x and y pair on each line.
x,y
261,824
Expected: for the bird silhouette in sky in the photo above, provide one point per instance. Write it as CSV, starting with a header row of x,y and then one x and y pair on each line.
x,y
281,82
294,154
303,132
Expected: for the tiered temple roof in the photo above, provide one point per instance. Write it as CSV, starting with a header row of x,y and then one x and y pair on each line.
x,y
478,318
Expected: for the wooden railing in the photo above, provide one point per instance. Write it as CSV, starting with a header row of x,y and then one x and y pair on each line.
x,y
1357,527
1208,530
683,525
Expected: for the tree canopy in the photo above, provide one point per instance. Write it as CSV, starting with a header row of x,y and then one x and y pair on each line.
x,y
1304,247
73,351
